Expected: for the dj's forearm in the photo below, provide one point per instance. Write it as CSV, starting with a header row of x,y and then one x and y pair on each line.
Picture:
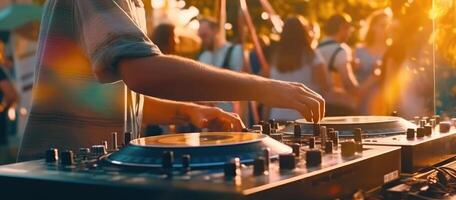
x,y
160,111
177,78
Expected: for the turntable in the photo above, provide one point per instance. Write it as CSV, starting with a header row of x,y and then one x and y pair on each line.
x,y
425,143
209,149
203,166
371,125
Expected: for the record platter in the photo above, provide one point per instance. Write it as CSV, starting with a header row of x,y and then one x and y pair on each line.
x,y
209,149
371,125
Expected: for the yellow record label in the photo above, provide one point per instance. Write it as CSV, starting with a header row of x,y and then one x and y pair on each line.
x,y
198,139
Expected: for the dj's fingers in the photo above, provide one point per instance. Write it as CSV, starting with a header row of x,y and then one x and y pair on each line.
x,y
313,107
232,121
201,122
316,97
307,89
304,110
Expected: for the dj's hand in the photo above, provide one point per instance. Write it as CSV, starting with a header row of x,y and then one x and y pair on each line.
x,y
295,96
214,119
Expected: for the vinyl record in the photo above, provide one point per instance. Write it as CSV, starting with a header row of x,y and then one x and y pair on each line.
x,y
371,125
210,149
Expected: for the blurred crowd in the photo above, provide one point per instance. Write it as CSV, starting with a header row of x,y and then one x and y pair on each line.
x,y
385,71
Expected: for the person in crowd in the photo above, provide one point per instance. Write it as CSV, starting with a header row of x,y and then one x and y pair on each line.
x,y
267,47
368,57
408,81
8,97
296,60
338,57
315,33
219,52
165,38
106,42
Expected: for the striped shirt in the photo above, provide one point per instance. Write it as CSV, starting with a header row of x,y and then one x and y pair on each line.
x,y
80,45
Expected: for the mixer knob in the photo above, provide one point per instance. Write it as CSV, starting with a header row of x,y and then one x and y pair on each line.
x,y
84,153
420,132
331,134
127,138
52,155
359,147
259,166
67,157
428,119
114,141
257,128
422,123
296,149
394,113
287,161
105,143
437,119
274,124
323,136
410,133
232,168
329,147
348,148
266,157
428,130
167,160
297,132
432,122
312,143
98,150
334,136
416,119
266,128
444,127
186,162
316,129
313,157
358,135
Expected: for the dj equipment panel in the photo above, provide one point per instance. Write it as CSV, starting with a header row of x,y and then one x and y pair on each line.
x,y
273,160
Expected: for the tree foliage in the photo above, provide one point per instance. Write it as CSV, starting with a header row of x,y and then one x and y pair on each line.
x,y
315,10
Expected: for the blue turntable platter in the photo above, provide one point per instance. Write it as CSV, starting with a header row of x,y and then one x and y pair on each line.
x,y
209,149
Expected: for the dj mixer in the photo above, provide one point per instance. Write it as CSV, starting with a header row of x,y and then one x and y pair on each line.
x,y
424,142
297,160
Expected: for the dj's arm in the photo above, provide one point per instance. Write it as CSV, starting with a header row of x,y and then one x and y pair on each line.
x,y
182,79
160,111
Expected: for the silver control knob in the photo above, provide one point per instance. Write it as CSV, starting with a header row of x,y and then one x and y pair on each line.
x,y
98,150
